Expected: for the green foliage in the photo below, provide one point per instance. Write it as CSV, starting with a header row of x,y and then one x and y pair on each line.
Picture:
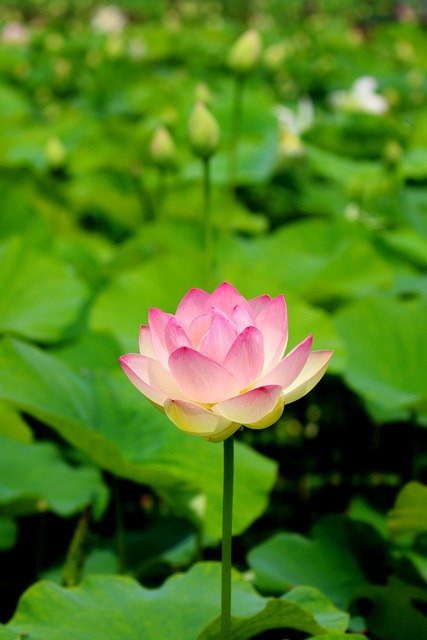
x,y
119,432
329,561
48,484
409,514
328,206
119,607
385,359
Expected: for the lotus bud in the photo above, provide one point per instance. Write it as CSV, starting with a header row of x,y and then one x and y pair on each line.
x,y
203,131
245,52
274,56
392,153
163,149
55,153
203,93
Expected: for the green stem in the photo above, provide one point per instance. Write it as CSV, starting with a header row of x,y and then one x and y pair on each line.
x,y
120,531
227,515
76,553
144,197
161,191
236,119
207,222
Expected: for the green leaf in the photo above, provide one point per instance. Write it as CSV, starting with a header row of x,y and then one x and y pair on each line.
x,y
12,102
386,342
409,514
300,609
40,298
326,562
407,243
319,260
414,164
13,426
393,612
339,636
340,168
48,484
8,533
360,509
121,432
149,285
118,607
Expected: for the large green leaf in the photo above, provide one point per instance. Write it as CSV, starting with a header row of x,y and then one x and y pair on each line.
x,y
48,484
151,285
186,606
121,432
320,260
40,298
12,425
394,612
327,561
124,304
386,343
409,514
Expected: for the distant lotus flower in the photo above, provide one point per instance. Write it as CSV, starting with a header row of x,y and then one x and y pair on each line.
x,y
218,362
292,124
15,33
109,19
361,98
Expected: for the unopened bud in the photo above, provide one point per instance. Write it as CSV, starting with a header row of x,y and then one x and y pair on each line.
x,y
203,131
55,153
245,52
392,153
203,93
274,56
163,149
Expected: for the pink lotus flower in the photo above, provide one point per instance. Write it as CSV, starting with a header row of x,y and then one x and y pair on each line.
x,y
218,362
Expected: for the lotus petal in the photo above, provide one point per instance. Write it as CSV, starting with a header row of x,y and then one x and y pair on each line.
x,y
217,341
175,336
194,303
272,321
135,367
290,367
226,297
194,419
201,378
145,343
157,321
245,358
242,318
250,407
313,371
259,303
269,418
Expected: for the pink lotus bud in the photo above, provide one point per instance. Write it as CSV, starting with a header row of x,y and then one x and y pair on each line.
x,y
217,363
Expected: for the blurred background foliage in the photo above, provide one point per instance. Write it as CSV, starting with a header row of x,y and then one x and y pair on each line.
x,y
328,205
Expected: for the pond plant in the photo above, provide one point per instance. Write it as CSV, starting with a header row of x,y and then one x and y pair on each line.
x,y
178,167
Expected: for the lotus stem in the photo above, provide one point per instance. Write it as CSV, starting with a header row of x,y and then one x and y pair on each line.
x,y
227,516
236,119
120,530
207,222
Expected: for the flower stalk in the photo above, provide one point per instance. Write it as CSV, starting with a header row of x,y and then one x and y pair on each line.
x,y
236,118
207,222
227,517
